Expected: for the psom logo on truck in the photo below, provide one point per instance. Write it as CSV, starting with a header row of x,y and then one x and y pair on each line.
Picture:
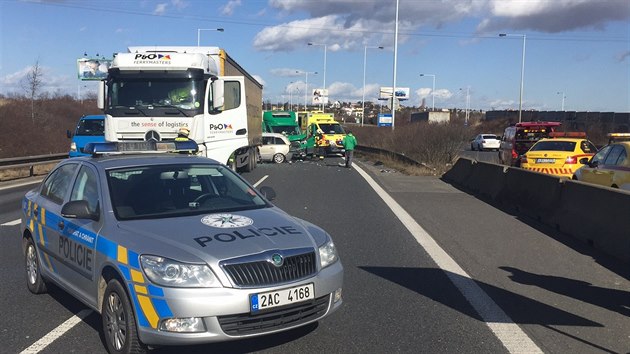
x,y
152,58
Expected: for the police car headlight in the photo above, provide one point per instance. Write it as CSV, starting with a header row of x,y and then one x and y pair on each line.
x,y
328,254
167,272
73,146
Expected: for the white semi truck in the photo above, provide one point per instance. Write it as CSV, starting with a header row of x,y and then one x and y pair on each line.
x,y
151,92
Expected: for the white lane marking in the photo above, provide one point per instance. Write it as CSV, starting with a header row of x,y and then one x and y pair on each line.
x,y
260,181
21,184
508,332
11,223
56,333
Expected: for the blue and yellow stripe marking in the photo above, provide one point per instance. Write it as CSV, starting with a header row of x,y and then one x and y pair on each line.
x,y
148,299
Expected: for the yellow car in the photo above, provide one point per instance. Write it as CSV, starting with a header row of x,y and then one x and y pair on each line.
x,y
558,156
610,167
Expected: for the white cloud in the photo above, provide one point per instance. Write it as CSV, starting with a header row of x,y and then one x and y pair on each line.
x,y
228,9
179,4
50,82
553,16
160,9
259,79
623,56
344,25
286,72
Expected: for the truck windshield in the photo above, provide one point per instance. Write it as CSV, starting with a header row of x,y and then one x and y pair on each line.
x,y
155,96
286,129
90,127
331,128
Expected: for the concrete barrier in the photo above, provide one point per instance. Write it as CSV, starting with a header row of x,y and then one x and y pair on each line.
x,y
487,179
534,194
460,172
597,215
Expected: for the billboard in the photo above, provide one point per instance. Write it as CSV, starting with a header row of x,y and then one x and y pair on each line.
x,y
402,93
320,96
93,69
384,120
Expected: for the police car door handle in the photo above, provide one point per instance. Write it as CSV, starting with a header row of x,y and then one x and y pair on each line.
x,y
61,225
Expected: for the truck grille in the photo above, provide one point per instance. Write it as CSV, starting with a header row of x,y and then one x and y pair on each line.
x,y
244,324
265,273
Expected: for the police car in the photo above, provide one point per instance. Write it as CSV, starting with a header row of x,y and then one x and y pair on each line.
x,y
174,248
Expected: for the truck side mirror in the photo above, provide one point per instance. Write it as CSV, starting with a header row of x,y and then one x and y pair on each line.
x,y
100,101
68,134
218,94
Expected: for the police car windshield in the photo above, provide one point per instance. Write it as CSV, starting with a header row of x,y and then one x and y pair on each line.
x,y
163,191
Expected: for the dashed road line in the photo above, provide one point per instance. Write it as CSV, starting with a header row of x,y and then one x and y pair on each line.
x,y
56,333
11,223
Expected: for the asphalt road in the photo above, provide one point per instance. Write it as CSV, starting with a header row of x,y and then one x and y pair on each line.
x,y
559,294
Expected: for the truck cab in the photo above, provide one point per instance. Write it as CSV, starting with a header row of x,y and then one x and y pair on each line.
x,y
89,129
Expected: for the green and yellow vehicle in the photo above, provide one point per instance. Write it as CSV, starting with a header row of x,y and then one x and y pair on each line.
x,y
324,135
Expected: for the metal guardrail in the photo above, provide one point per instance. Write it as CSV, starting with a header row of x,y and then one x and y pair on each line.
x,y
394,155
30,162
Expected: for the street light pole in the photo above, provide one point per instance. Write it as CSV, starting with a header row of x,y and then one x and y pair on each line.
x,y
520,98
432,91
467,103
395,62
563,97
306,83
325,50
364,65
206,29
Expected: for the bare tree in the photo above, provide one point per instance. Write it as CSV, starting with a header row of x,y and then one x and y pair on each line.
x,y
32,84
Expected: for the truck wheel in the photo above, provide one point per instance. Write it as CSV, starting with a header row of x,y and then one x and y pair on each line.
x,y
249,166
118,321
232,163
278,158
34,280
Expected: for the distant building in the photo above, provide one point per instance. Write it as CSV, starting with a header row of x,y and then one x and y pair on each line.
x,y
431,117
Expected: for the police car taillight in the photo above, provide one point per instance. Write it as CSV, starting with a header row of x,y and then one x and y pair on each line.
x,y
128,147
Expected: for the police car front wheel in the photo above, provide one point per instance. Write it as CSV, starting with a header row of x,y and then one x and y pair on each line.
x,y
34,279
118,321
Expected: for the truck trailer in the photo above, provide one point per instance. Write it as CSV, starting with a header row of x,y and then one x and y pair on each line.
x,y
151,92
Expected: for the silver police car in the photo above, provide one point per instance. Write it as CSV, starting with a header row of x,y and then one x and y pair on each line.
x,y
175,249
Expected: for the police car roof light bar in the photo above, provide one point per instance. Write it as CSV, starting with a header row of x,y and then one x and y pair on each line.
x,y
137,147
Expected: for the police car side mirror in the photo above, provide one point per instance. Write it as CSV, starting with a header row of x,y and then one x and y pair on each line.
x,y
78,209
268,193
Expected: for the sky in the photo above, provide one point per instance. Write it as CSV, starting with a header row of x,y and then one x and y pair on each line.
x,y
577,52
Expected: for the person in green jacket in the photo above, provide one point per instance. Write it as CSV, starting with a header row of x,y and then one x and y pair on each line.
x,y
349,143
